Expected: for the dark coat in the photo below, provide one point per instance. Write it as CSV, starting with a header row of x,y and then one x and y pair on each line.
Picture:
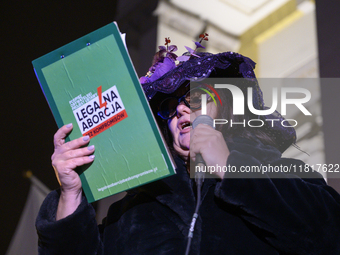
x,y
239,215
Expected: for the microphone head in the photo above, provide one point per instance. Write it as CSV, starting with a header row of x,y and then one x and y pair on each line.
x,y
203,119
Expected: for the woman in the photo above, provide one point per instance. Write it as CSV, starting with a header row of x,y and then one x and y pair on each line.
x,y
287,215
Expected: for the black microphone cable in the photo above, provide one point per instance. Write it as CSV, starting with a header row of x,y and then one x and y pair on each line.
x,y
199,182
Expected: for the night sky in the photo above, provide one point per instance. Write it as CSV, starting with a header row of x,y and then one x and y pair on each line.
x,y
30,29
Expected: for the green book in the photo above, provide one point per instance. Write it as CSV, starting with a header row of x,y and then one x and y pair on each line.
x,y
92,83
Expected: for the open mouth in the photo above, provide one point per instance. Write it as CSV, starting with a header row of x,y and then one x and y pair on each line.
x,y
185,125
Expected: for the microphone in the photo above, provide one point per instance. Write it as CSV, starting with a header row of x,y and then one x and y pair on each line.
x,y
199,161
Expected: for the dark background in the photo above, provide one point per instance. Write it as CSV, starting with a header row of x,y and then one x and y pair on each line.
x,y
30,29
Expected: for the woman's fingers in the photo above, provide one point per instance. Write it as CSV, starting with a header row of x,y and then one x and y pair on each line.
x,y
210,144
72,163
76,153
75,144
83,154
67,156
204,137
61,134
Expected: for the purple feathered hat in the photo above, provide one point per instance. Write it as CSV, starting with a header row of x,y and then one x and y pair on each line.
x,y
165,77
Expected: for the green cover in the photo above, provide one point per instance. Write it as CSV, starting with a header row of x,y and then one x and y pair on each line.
x,y
92,83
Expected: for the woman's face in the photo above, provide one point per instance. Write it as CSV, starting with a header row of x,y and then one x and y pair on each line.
x,y
181,124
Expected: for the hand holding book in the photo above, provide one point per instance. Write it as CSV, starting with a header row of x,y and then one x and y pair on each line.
x,y
66,158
